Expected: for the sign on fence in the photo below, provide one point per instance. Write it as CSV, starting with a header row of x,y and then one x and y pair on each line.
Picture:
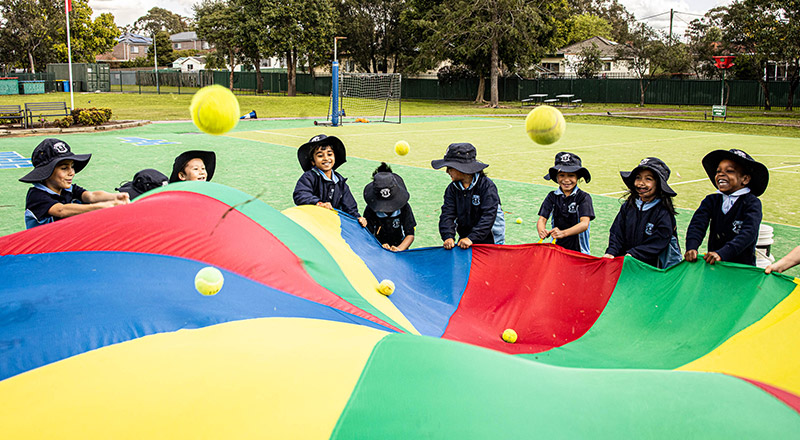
x,y
718,111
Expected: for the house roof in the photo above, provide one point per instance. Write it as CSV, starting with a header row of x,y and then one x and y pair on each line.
x,y
182,60
607,47
130,38
184,36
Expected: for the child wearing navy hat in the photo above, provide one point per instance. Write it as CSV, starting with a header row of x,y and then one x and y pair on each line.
x,y
320,184
645,226
569,208
389,216
53,196
193,165
734,211
471,205
143,181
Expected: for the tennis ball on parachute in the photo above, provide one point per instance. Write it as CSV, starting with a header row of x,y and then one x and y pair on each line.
x,y
386,287
401,148
214,109
208,281
545,124
509,335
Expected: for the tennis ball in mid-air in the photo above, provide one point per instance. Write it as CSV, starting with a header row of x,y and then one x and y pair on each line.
x,y
519,220
545,124
509,335
386,287
208,281
401,148
214,109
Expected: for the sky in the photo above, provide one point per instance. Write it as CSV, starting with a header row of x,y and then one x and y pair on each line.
x,y
127,11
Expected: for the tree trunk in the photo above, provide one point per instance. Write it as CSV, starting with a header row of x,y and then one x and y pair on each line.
x,y
641,92
30,59
259,80
481,90
233,66
764,81
793,82
494,73
291,70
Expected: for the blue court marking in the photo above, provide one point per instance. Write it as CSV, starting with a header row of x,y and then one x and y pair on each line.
x,y
144,142
12,159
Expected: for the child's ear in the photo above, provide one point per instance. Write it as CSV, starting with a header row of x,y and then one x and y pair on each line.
x,y
745,179
181,175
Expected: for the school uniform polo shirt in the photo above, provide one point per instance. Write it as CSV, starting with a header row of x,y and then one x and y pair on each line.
x,y
314,186
566,212
391,228
40,199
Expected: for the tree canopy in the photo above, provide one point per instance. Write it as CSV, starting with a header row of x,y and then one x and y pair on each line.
x,y
159,19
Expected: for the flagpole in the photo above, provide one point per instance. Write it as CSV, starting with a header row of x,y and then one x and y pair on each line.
x,y
67,8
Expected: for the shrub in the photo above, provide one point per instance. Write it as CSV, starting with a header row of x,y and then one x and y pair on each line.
x,y
64,122
91,116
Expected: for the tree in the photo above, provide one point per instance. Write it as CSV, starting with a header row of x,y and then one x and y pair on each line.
x,y
217,22
88,38
609,10
373,31
30,27
642,51
159,19
590,61
249,34
586,26
163,50
704,36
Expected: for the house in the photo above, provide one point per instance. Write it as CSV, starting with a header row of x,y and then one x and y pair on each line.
x,y
190,64
566,61
188,40
129,46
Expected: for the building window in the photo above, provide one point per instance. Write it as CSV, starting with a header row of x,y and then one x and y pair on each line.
x,y
190,67
134,49
607,67
205,45
553,67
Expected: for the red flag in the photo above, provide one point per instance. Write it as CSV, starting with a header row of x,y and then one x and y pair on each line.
x,y
69,5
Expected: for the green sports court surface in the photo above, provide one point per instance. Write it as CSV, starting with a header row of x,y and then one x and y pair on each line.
x,y
259,157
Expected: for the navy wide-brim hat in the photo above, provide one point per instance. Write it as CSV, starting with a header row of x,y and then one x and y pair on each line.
x,y
209,160
143,181
758,172
655,165
567,163
386,193
461,156
304,152
47,155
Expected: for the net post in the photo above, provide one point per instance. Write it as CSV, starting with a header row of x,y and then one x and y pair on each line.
x,y
335,94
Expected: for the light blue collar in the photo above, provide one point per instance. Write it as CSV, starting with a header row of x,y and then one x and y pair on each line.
x,y
729,199
48,190
335,177
558,191
645,206
471,185
389,214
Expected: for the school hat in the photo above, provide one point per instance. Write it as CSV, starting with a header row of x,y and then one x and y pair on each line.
x,y
567,163
460,156
759,174
143,181
386,193
209,160
47,155
655,165
304,152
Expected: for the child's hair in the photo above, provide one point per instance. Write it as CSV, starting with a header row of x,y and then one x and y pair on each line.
x,y
382,168
630,198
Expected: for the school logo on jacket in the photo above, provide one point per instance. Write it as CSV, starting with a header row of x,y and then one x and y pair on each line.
x,y
737,226
572,208
648,229
396,223
476,199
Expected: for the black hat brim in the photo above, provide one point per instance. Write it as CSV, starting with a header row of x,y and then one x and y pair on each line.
x,y
630,176
471,167
579,170
377,204
304,152
209,160
758,172
43,172
130,189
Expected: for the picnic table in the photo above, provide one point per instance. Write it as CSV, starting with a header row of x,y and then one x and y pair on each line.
x,y
564,100
535,99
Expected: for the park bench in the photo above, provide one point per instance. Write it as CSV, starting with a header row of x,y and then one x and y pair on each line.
x,y
551,101
528,101
43,109
13,112
577,102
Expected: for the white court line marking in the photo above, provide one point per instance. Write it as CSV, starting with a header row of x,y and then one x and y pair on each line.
x,y
700,180
279,134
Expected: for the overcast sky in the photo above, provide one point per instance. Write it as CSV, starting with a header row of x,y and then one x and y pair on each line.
x,y
127,11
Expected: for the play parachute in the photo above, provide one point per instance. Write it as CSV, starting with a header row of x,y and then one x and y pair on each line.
x,y
103,335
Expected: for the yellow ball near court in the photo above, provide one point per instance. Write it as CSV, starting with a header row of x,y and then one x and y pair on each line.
x,y
509,335
545,125
386,287
214,109
402,148
208,281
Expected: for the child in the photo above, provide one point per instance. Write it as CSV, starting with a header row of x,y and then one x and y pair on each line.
x,y
734,211
471,204
193,165
143,181
570,207
645,227
789,261
389,216
53,195
320,184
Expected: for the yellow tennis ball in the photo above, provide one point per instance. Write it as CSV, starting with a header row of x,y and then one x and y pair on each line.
x,y
509,335
208,281
545,124
214,109
386,287
519,220
401,148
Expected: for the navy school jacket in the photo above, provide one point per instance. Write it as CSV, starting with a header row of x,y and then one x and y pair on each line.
x,y
643,233
733,235
472,212
313,187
